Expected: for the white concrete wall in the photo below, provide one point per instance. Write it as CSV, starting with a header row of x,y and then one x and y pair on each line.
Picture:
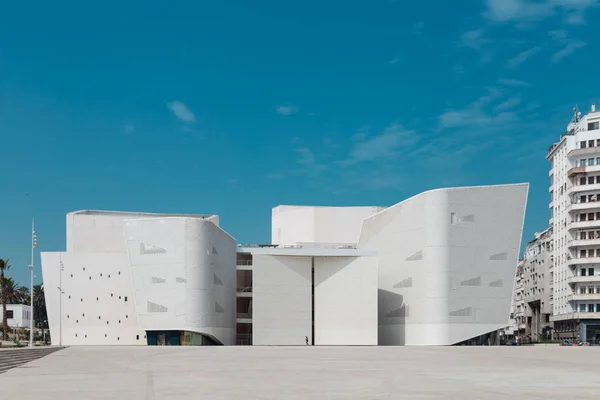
x,y
97,305
98,301
184,276
300,224
446,263
346,301
281,300
102,231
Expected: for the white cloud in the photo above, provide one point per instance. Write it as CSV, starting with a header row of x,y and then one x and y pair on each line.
x,y
473,39
513,82
129,127
307,157
527,11
386,144
286,109
521,57
394,61
418,28
569,46
181,111
478,115
508,104
569,49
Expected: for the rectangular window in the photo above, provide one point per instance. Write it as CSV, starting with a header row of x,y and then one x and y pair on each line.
x,y
591,216
582,235
583,199
582,308
582,217
591,271
590,143
582,163
590,308
10,314
591,161
597,307
582,180
582,290
582,254
125,298
583,144
583,270
591,180
592,126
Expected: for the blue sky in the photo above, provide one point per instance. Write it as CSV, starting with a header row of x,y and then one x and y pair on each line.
x,y
233,107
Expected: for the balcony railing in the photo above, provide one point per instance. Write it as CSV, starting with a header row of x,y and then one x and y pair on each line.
x,y
583,188
584,297
244,262
583,279
247,289
584,242
247,315
583,260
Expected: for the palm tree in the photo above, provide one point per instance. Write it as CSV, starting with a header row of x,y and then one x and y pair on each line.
x,y
15,293
39,307
4,266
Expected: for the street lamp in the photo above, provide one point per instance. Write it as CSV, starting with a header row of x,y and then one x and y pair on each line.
x,y
33,246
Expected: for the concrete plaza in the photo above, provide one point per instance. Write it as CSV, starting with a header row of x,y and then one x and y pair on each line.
x,y
115,373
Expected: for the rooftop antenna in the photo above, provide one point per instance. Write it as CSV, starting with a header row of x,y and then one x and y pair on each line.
x,y
577,113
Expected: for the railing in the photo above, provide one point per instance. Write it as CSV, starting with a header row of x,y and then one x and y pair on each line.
x,y
247,289
243,339
244,262
247,315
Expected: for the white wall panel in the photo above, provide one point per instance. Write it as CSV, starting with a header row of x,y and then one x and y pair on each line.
x,y
346,301
446,263
184,276
281,300
300,224
96,306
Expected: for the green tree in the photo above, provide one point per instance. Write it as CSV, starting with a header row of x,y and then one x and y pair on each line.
x,y
4,266
39,308
15,293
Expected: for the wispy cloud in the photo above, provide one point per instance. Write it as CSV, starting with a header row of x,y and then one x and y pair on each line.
x,y
478,114
569,45
418,28
507,104
181,111
513,82
473,39
383,145
394,61
286,109
520,58
129,127
529,11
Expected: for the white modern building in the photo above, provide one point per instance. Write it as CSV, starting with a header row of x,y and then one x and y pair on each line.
x,y
18,315
135,278
575,221
435,269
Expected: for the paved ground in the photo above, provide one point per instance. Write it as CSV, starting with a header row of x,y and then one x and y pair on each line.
x,y
15,357
280,373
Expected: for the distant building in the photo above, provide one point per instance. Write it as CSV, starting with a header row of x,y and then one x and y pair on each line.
x,y
575,222
19,315
537,280
435,269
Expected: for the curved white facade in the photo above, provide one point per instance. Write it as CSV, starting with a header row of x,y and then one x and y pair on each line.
x,y
127,273
446,263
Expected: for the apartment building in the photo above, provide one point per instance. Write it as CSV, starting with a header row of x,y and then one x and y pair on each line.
x,y
575,222
537,283
516,327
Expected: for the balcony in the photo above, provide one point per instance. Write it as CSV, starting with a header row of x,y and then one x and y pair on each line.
x,y
584,297
583,188
583,279
583,242
584,224
583,152
577,315
244,292
592,205
583,261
